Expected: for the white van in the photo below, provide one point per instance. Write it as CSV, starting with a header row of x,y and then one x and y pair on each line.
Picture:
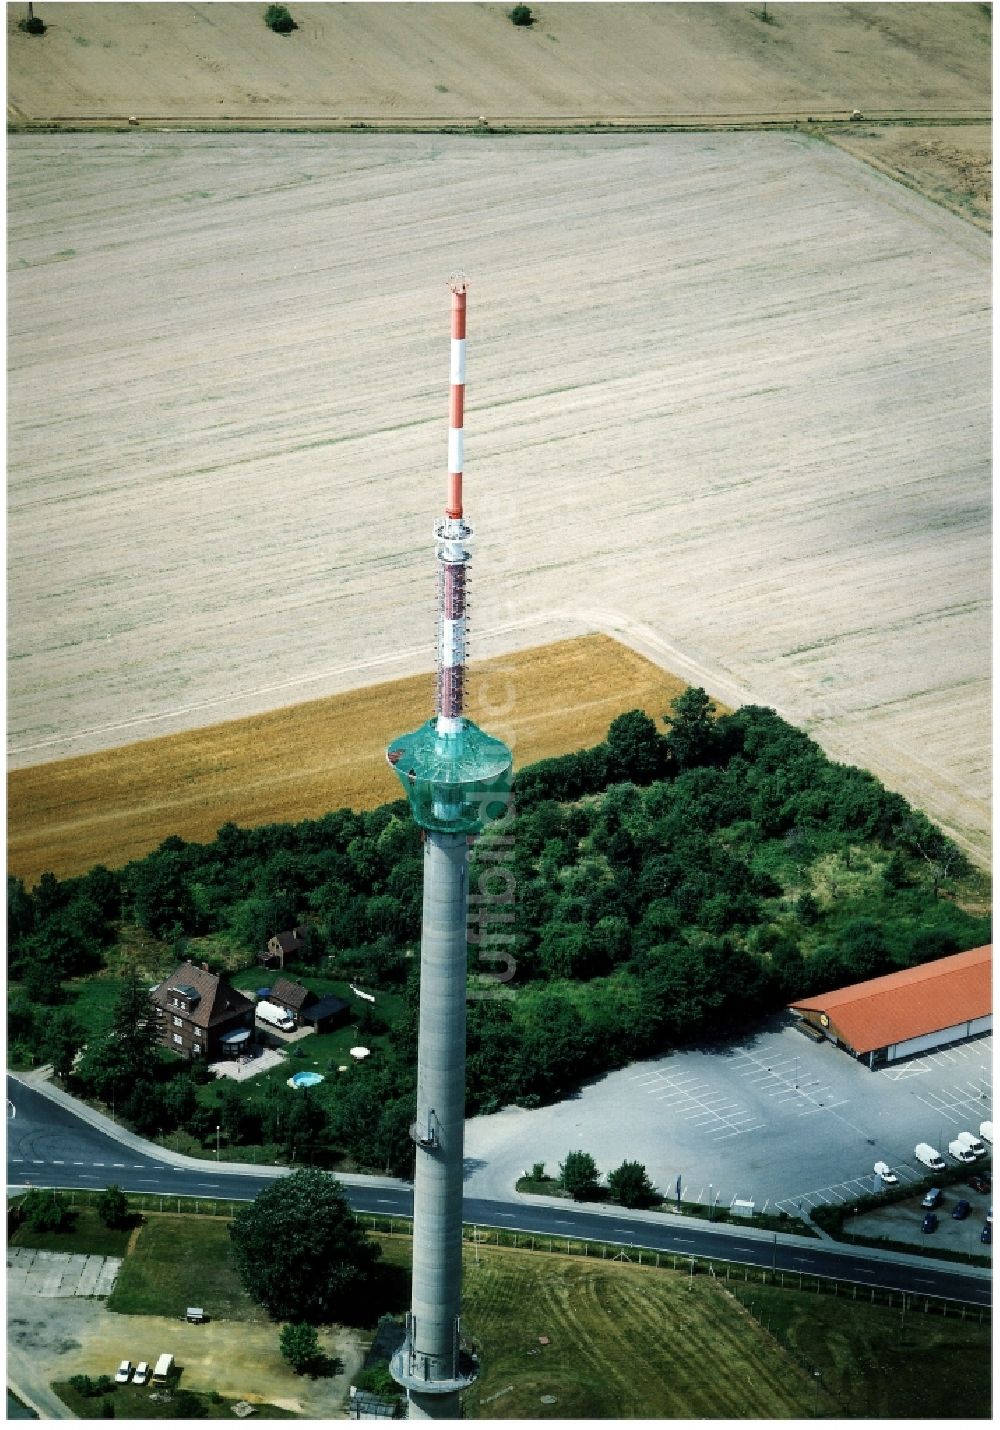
x,y
973,1143
275,1016
162,1369
960,1151
925,1153
986,1132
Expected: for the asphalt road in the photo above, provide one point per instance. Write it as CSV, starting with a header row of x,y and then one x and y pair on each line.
x,y
48,1145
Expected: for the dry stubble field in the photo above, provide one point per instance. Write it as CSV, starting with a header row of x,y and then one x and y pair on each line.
x,y
728,402
300,761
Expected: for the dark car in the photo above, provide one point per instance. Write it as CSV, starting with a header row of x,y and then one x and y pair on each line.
x,y
931,1197
979,1182
930,1222
986,1235
962,1210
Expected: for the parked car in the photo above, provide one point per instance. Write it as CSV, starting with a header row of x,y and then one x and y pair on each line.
x,y
929,1155
973,1143
961,1151
123,1372
931,1197
986,1132
930,1222
986,1235
961,1210
141,1373
883,1170
979,1182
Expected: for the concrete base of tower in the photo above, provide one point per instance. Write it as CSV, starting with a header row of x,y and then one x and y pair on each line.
x,y
412,1370
424,1406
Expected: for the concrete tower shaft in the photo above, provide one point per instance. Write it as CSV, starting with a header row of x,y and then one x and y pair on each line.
x,y
457,779
431,1363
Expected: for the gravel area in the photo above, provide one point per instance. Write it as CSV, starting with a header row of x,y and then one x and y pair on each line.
x,y
52,1336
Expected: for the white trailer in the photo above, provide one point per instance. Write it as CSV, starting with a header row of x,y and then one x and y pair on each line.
x,y
960,1151
930,1157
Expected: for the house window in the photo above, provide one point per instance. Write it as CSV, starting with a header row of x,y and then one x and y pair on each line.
x,y
178,1038
178,1022
197,1047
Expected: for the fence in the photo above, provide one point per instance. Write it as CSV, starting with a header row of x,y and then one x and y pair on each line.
x,y
728,1273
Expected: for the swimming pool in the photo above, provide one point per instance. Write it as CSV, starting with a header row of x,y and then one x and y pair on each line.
x,y
305,1079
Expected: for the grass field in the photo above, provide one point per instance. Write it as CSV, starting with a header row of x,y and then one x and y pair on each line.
x,y
174,1256
133,1403
301,761
625,1341
88,1236
640,1342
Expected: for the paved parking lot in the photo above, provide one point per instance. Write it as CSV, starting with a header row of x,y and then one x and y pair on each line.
x,y
772,1117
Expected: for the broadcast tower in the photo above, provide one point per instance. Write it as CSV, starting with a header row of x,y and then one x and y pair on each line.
x,y
457,780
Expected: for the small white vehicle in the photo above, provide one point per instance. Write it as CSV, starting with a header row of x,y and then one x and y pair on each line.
x,y
929,1155
162,1369
986,1132
141,1373
973,1143
275,1016
123,1372
960,1151
883,1170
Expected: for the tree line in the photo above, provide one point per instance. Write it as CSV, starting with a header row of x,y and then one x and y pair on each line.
x,y
668,886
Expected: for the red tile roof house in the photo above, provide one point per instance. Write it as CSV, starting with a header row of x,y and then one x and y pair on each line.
x,y
884,1019
201,1016
292,996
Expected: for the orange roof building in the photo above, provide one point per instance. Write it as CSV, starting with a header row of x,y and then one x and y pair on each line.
x,y
884,1019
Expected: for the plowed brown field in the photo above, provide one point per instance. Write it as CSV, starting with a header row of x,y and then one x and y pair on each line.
x,y
300,762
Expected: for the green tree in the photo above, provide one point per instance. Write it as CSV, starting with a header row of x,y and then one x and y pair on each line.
x,y
112,1206
43,1211
636,750
579,1176
278,18
62,1040
692,738
299,1251
185,1405
521,15
630,1186
300,1346
114,1064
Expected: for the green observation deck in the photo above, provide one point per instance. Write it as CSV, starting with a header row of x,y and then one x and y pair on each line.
x,y
456,782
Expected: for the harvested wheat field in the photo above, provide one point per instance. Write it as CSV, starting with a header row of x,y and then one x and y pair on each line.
x,y
728,401
728,392
442,63
303,760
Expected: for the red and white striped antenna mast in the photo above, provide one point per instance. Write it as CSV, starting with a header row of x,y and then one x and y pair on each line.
x,y
453,535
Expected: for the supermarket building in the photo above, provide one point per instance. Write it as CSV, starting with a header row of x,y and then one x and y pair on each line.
x,y
892,1017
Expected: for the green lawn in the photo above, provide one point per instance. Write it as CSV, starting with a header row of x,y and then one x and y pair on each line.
x,y
638,1342
132,1402
88,1236
179,1262
880,1362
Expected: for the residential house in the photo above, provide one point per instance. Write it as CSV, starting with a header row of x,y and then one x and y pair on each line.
x,y
283,945
291,996
200,1016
